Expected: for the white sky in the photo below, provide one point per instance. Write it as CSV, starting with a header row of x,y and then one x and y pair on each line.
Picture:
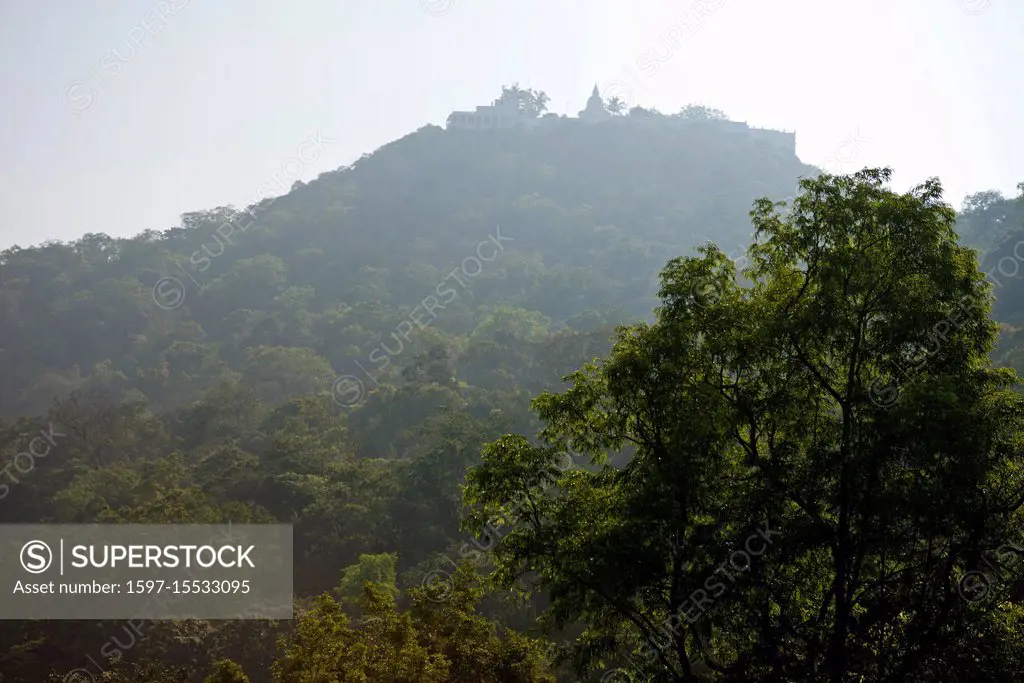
x,y
207,110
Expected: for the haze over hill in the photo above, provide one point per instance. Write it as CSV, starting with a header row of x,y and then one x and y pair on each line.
x,y
539,395
588,213
208,102
336,356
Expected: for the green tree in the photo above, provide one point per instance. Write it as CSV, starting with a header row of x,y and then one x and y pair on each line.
x,y
538,102
699,112
432,642
226,671
615,105
760,422
987,218
528,101
316,652
285,371
375,569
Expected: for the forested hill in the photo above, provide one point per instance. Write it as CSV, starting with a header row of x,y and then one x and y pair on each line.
x,y
369,359
336,358
588,215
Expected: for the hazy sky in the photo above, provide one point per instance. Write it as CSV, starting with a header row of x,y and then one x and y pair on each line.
x,y
123,114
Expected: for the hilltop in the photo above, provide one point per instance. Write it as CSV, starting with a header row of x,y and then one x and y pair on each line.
x,y
591,213
346,357
336,356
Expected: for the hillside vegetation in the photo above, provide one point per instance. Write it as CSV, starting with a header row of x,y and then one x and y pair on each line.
x,y
531,315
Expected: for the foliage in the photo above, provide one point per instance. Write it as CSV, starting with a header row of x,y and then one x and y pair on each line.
x,y
531,102
988,219
432,642
756,431
342,362
226,671
699,112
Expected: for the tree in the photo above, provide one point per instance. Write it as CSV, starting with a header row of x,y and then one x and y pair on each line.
x,y
431,366
540,102
640,112
780,517
375,569
512,93
227,671
432,642
338,363
320,645
285,371
615,105
982,201
988,219
699,112
529,101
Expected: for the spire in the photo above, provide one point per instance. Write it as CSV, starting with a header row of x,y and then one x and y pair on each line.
x,y
595,106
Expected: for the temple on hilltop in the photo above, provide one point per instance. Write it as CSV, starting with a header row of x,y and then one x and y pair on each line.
x,y
496,115
503,115
507,115
595,110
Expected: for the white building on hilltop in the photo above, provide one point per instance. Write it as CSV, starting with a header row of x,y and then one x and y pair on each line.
x,y
505,115
496,115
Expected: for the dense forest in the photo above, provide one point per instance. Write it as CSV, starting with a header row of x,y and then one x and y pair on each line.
x,y
637,401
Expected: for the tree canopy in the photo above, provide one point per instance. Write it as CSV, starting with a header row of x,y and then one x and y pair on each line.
x,y
510,450
759,444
